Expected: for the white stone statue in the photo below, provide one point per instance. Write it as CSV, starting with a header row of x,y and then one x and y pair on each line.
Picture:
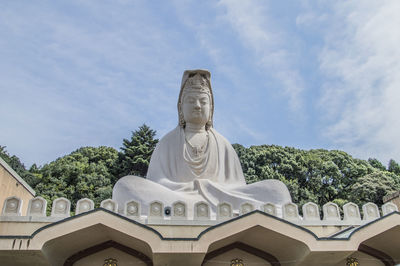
x,y
195,163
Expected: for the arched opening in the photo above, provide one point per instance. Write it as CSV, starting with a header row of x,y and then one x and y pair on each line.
x,y
239,253
107,251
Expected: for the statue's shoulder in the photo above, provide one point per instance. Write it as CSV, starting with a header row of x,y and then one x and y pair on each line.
x,y
221,139
218,136
170,138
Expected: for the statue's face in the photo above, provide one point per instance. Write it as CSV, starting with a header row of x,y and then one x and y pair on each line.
x,y
196,107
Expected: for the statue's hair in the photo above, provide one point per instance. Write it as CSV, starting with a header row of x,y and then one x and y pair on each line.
x,y
186,75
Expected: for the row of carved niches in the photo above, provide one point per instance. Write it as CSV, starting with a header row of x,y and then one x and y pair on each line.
x,y
61,207
331,212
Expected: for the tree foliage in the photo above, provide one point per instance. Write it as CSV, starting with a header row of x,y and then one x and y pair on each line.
x,y
15,163
89,172
135,154
394,167
374,186
85,173
376,164
317,175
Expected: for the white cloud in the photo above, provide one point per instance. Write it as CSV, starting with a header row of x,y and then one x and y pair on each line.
x,y
253,59
269,44
361,61
236,28
76,74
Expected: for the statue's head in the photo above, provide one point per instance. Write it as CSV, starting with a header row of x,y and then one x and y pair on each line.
x,y
196,93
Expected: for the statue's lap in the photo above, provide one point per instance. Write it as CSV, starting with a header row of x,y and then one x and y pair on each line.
x,y
146,191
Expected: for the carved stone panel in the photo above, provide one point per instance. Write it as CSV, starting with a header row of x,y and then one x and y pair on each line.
x,y
109,204
37,207
201,211
389,208
156,210
269,208
132,209
246,208
61,208
351,212
12,206
224,211
84,205
371,211
331,212
179,210
311,212
290,212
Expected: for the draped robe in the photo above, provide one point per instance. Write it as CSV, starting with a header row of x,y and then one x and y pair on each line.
x,y
216,176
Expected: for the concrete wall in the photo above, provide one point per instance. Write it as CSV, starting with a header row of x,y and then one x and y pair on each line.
x,y
248,238
11,184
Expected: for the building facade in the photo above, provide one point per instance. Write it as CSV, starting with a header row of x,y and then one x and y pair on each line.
x,y
102,236
11,184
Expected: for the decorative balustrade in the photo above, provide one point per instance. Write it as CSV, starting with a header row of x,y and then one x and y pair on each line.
x,y
156,210
224,211
311,212
351,213
201,212
84,205
37,207
270,208
246,208
331,212
371,211
388,208
132,209
179,210
12,207
291,212
110,205
61,208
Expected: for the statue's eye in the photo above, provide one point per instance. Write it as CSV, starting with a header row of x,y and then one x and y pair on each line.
x,y
189,100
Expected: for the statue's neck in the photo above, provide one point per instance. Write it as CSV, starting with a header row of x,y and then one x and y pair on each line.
x,y
195,128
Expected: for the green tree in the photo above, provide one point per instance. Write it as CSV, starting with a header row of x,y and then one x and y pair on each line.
x,y
394,167
373,187
315,175
135,154
15,163
85,173
376,164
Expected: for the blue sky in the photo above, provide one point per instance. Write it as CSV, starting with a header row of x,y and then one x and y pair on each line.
x,y
307,74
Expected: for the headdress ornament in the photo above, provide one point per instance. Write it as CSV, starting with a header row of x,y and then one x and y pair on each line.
x,y
196,80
